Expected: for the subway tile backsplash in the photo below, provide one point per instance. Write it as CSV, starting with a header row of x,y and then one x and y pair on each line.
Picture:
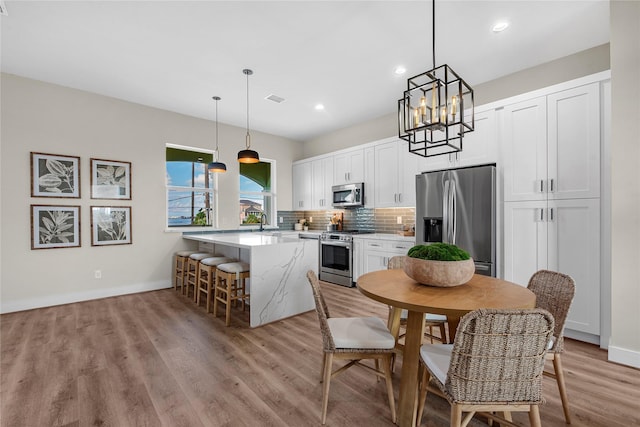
x,y
363,219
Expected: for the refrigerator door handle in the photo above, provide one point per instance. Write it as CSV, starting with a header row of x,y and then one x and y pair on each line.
x,y
445,212
452,211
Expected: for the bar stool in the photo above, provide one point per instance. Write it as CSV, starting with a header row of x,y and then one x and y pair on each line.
x,y
207,277
230,286
180,268
192,272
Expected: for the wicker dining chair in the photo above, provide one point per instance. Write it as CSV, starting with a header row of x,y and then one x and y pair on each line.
x,y
353,339
554,293
495,364
430,320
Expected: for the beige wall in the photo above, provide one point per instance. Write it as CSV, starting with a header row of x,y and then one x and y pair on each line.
x,y
625,182
578,65
42,117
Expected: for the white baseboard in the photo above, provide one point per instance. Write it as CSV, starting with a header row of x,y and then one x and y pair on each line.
x,y
51,300
624,356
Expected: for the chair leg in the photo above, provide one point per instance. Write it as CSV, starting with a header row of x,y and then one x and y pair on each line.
x,y
422,396
386,362
215,295
534,416
456,415
443,333
328,361
324,361
227,309
557,367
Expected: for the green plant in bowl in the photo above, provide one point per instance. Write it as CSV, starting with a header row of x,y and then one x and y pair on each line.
x,y
438,252
439,264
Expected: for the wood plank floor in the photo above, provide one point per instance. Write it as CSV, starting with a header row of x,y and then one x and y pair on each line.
x,y
155,359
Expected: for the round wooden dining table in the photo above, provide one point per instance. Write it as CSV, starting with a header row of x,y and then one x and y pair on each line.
x,y
396,289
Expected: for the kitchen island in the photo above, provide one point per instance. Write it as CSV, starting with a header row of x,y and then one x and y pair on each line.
x,y
279,264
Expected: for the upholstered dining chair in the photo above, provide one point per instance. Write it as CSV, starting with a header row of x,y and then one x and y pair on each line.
x,y
353,339
430,320
495,364
554,293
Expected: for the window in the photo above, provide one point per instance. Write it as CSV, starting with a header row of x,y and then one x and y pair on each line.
x,y
191,191
257,192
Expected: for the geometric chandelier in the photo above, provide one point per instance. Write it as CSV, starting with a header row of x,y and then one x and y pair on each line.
x,y
436,110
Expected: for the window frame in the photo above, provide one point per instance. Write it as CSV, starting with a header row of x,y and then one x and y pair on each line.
x,y
272,213
213,191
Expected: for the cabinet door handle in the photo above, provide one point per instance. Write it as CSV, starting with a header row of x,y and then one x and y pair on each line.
x,y
399,197
541,214
542,185
551,214
551,185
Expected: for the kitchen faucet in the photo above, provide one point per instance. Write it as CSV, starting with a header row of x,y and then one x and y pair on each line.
x,y
263,219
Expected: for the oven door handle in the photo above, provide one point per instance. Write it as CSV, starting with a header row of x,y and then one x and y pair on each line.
x,y
341,244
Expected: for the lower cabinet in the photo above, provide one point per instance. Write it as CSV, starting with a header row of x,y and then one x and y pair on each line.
x,y
377,252
558,235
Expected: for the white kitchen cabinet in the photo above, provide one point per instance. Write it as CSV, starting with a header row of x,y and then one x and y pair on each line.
x,y
558,235
378,252
395,171
478,147
302,185
322,180
348,167
369,177
551,146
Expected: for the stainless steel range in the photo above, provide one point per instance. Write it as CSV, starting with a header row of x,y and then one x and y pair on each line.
x,y
336,257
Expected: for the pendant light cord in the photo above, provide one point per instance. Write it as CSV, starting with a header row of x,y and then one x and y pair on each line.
x,y
248,137
433,31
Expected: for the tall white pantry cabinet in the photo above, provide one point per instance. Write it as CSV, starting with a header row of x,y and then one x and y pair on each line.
x,y
551,147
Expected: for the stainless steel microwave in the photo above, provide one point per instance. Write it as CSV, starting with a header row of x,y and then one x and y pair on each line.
x,y
348,195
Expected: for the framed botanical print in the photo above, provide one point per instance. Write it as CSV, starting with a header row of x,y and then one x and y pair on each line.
x,y
53,175
55,226
110,179
110,225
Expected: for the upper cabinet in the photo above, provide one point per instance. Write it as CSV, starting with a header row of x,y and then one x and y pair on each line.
x,y
322,179
348,167
395,171
478,147
551,146
302,185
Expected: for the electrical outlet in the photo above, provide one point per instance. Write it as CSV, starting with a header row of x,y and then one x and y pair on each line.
x,y
280,220
310,219
97,274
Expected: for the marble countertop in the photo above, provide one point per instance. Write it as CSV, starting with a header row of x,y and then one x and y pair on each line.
x,y
245,240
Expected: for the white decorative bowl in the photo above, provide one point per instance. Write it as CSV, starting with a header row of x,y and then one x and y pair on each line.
x,y
439,273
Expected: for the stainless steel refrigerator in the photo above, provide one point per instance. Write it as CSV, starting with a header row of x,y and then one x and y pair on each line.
x,y
459,206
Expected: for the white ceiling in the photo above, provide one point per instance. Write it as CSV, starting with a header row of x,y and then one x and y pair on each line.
x,y
177,55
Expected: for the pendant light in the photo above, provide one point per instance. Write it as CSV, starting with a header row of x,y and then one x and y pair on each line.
x,y
215,165
248,155
436,109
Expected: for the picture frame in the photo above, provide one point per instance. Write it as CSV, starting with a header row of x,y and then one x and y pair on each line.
x,y
110,179
55,227
55,175
110,225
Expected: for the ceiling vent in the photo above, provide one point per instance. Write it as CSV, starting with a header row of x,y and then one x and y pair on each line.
x,y
275,98
3,9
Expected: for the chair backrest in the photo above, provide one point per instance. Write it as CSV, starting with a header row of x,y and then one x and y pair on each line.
x,y
554,293
396,262
498,356
322,311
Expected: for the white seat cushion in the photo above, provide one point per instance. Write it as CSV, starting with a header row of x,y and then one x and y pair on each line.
x,y
437,357
234,267
360,332
213,261
428,316
201,255
185,253
551,342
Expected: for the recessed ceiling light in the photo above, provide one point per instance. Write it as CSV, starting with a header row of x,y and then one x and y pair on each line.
x,y
500,26
319,107
400,70
275,98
